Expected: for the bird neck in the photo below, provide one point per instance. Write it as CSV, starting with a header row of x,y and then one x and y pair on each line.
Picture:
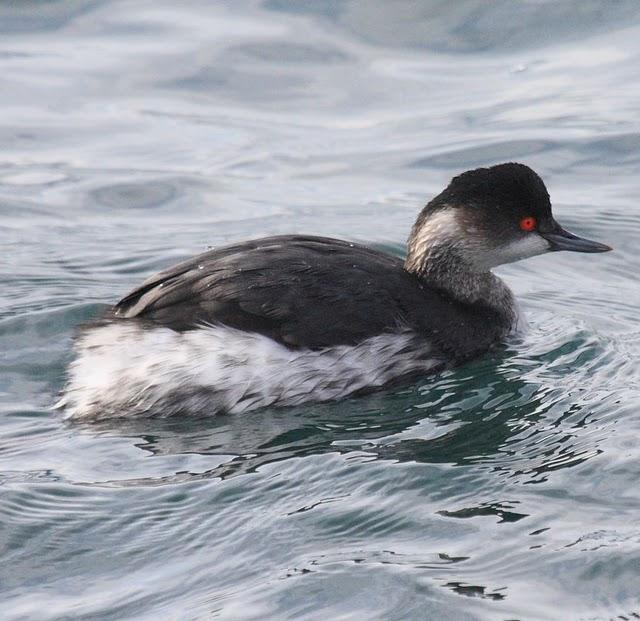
x,y
442,266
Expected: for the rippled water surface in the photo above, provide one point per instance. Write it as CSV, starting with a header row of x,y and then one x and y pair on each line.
x,y
134,134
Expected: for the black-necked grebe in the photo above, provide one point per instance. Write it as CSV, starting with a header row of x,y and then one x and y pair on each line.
x,y
291,319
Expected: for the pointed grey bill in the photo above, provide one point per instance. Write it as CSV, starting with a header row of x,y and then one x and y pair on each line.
x,y
560,239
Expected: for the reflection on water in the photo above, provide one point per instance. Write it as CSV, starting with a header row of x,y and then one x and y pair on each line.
x,y
136,134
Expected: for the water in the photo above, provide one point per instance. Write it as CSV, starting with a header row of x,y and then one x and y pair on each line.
x,y
135,134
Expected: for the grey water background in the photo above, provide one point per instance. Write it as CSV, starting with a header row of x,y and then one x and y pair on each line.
x,y
135,134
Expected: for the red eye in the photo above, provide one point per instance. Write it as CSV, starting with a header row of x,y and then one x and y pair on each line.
x,y
528,224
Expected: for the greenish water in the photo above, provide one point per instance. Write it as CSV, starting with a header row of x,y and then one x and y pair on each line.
x,y
135,134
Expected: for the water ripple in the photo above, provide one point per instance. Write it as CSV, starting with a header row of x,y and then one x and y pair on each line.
x,y
137,134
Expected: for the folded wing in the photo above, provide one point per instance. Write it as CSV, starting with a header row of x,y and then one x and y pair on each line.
x,y
301,291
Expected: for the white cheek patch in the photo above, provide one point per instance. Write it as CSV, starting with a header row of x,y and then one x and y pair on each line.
x,y
530,245
443,230
441,227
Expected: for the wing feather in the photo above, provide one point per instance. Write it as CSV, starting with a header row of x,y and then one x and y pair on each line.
x,y
301,291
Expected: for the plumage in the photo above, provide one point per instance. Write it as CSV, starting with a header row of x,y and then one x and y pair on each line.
x,y
309,292
290,319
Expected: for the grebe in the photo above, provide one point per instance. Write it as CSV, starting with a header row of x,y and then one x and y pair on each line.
x,y
291,319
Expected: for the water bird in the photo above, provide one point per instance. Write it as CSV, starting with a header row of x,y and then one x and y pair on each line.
x,y
291,319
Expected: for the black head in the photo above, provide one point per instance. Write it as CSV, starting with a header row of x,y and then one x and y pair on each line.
x,y
493,216
505,190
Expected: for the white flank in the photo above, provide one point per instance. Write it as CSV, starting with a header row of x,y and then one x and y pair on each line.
x,y
126,370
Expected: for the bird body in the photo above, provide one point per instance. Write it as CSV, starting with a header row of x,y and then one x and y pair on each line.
x,y
290,319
